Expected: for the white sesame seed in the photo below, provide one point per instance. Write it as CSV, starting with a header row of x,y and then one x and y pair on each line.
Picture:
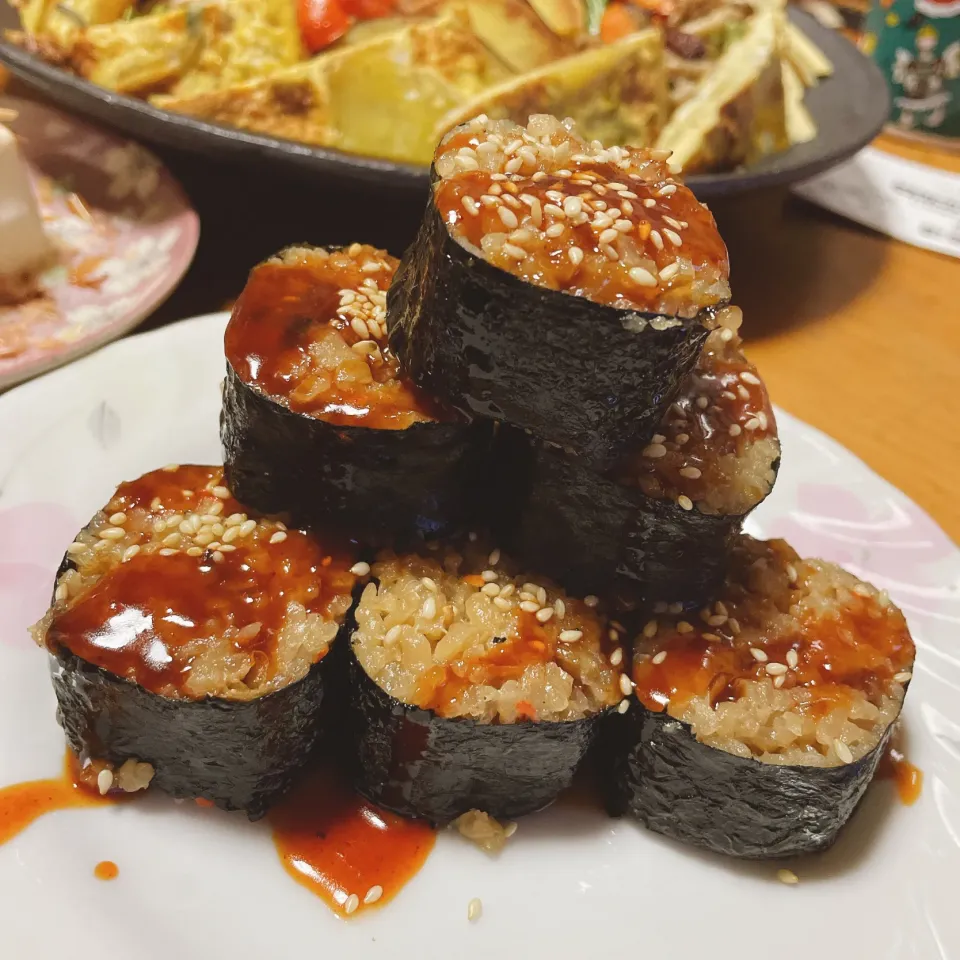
x,y
168,552
576,256
544,614
759,655
776,669
656,239
570,636
474,909
471,206
623,706
734,430
529,606
649,203
490,589
502,603
221,492
658,658
650,629
609,236
590,600
508,217
278,537
676,224
104,781
131,552
353,901
118,519
111,533
669,271
616,658
554,231
560,607
642,277
61,593
684,502
691,473
247,527
788,877
655,451
843,751
792,659
373,894
779,681
360,569
626,686
77,548
903,677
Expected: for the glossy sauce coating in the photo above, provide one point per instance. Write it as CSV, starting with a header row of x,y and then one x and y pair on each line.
x,y
309,330
22,803
583,223
106,870
862,646
336,844
722,409
144,618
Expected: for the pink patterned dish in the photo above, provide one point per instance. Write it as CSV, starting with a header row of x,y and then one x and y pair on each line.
x,y
125,230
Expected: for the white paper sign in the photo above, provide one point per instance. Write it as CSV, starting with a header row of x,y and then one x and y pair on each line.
x,y
907,200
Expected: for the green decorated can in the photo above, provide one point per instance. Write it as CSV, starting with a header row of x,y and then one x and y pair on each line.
x,y
916,43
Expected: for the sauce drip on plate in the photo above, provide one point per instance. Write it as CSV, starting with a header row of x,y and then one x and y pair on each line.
x,y
907,778
22,803
106,870
347,851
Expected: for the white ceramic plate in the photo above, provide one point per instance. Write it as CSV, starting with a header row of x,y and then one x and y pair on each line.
x,y
200,884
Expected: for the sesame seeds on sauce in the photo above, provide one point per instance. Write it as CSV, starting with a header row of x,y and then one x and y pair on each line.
x,y
173,563
723,410
768,625
610,224
309,330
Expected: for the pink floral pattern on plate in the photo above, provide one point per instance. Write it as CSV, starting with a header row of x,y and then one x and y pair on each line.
x,y
125,244
33,536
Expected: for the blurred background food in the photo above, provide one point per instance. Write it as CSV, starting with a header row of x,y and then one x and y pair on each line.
x,y
720,83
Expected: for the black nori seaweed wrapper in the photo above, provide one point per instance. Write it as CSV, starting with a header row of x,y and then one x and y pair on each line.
x,y
654,769
597,536
492,345
239,755
431,768
381,487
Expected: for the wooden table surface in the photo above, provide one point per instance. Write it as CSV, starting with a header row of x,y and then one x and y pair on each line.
x,y
856,333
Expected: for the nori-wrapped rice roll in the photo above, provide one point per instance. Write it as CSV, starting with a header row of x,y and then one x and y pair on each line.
x,y
473,690
319,422
760,721
557,285
660,524
188,640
